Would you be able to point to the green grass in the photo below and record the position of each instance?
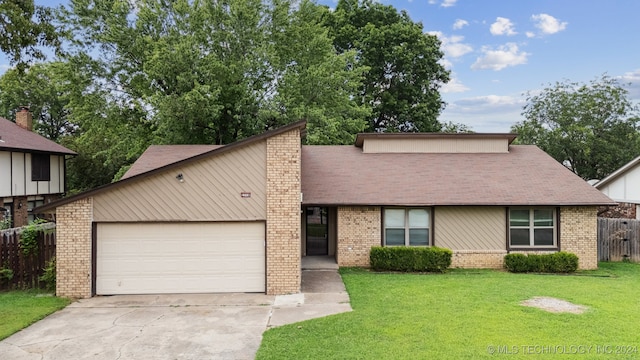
(19, 309)
(467, 314)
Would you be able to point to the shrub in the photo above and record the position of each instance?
(49, 275)
(560, 262)
(29, 237)
(410, 259)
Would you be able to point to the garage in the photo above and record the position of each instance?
(181, 257)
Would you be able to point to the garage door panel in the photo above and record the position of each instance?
(135, 258)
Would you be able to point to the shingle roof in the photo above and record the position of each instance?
(157, 156)
(344, 175)
(15, 138)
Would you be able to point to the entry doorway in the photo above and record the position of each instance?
(317, 230)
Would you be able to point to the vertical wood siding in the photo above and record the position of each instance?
(211, 190)
(15, 175)
(470, 228)
(618, 240)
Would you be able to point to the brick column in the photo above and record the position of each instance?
(359, 228)
(73, 249)
(579, 234)
(283, 213)
(20, 211)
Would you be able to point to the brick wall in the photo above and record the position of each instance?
(20, 211)
(359, 228)
(478, 259)
(579, 234)
(283, 213)
(73, 249)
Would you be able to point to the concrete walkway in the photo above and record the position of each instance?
(181, 326)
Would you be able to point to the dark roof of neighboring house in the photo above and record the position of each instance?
(15, 138)
(526, 175)
(614, 175)
(157, 156)
(214, 151)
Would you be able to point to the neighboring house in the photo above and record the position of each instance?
(623, 186)
(32, 169)
(239, 218)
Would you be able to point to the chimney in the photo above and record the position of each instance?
(24, 119)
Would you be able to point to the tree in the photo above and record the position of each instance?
(24, 28)
(591, 128)
(45, 90)
(219, 71)
(404, 74)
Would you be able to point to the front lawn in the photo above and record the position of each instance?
(19, 309)
(470, 314)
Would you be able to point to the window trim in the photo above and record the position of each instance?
(407, 228)
(556, 229)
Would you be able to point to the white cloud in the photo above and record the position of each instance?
(454, 85)
(448, 3)
(459, 24)
(491, 113)
(433, 2)
(548, 24)
(530, 34)
(500, 58)
(502, 26)
(632, 82)
(452, 46)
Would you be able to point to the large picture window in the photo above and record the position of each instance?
(532, 227)
(40, 167)
(406, 227)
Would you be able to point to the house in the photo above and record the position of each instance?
(32, 169)
(622, 186)
(239, 217)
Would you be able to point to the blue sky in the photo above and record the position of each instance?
(499, 49)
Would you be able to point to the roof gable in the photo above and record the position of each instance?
(15, 138)
(157, 156)
(215, 151)
(618, 173)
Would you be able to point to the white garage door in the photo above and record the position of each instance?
(155, 258)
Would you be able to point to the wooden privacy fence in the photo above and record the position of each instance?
(618, 239)
(25, 269)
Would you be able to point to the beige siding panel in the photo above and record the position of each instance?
(470, 228)
(5, 174)
(211, 190)
(191, 257)
(53, 186)
(435, 146)
(18, 174)
(32, 186)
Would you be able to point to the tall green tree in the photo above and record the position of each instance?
(592, 128)
(404, 74)
(219, 71)
(44, 88)
(24, 30)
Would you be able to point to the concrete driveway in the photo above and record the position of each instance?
(198, 326)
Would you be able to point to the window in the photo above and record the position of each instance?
(40, 167)
(406, 227)
(535, 227)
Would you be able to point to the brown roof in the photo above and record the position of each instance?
(157, 156)
(344, 175)
(15, 138)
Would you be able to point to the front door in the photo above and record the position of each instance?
(317, 231)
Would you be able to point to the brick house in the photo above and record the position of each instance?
(623, 187)
(239, 218)
(32, 169)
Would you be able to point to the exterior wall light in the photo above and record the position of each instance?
(180, 177)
